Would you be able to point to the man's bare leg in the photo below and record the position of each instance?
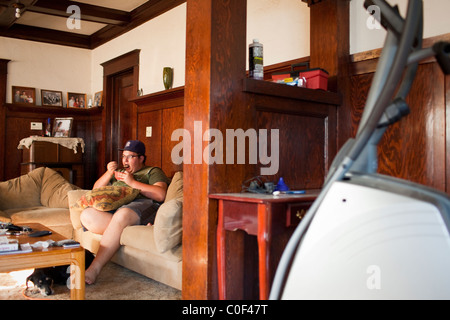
(110, 241)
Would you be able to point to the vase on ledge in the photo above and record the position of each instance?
(168, 77)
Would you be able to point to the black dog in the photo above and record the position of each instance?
(44, 278)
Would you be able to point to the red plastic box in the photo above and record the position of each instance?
(315, 78)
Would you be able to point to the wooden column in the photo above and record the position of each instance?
(215, 67)
(3, 78)
(330, 49)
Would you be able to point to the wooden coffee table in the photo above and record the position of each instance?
(49, 257)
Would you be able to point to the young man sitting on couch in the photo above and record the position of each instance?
(152, 185)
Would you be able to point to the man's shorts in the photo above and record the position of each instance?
(144, 208)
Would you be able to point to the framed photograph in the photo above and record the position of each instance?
(98, 99)
(76, 100)
(24, 95)
(52, 98)
(62, 127)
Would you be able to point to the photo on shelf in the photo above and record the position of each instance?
(98, 99)
(76, 100)
(52, 98)
(62, 127)
(24, 95)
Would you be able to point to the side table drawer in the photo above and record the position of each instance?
(295, 213)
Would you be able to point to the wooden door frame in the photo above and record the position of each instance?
(3, 89)
(126, 62)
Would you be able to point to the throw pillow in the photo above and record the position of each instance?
(22, 192)
(54, 189)
(168, 225)
(175, 189)
(107, 198)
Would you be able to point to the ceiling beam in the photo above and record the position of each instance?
(118, 22)
(19, 31)
(88, 12)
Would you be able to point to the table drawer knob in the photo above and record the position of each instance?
(300, 214)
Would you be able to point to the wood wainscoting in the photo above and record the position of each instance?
(161, 113)
(417, 147)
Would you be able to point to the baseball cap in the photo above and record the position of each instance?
(134, 146)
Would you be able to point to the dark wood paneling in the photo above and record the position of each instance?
(152, 144)
(17, 127)
(173, 119)
(301, 148)
(164, 112)
(416, 148)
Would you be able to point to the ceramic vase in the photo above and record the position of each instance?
(168, 77)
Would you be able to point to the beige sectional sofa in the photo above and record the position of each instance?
(154, 251)
(37, 197)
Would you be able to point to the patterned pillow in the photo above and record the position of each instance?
(107, 198)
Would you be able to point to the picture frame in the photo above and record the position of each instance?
(24, 95)
(62, 127)
(76, 100)
(51, 98)
(98, 99)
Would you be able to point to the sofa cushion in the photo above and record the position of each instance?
(4, 217)
(107, 198)
(22, 192)
(43, 215)
(75, 211)
(175, 189)
(168, 225)
(54, 189)
(141, 238)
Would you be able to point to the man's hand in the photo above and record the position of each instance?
(112, 166)
(125, 177)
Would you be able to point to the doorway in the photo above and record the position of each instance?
(119, 118)
(121, 113)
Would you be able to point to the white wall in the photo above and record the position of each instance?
(163, 44)
(281, 25)
(163, 41)
(363, 38)
(46, 66)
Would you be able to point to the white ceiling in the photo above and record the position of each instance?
(34, 19)
(87, 28)
(102, 20)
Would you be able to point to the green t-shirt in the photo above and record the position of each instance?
(147, 175)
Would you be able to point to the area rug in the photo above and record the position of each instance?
(113, 283)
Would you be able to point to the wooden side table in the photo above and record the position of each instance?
(45, 153)
(263, 216)
(49, 257)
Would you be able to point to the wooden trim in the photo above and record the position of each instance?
(88, 12)
(375, 53)
(161, 96)
(3, 81)
(19, 31)
(366, 61)
(121, 63)
(285, 91)
(311, 2)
